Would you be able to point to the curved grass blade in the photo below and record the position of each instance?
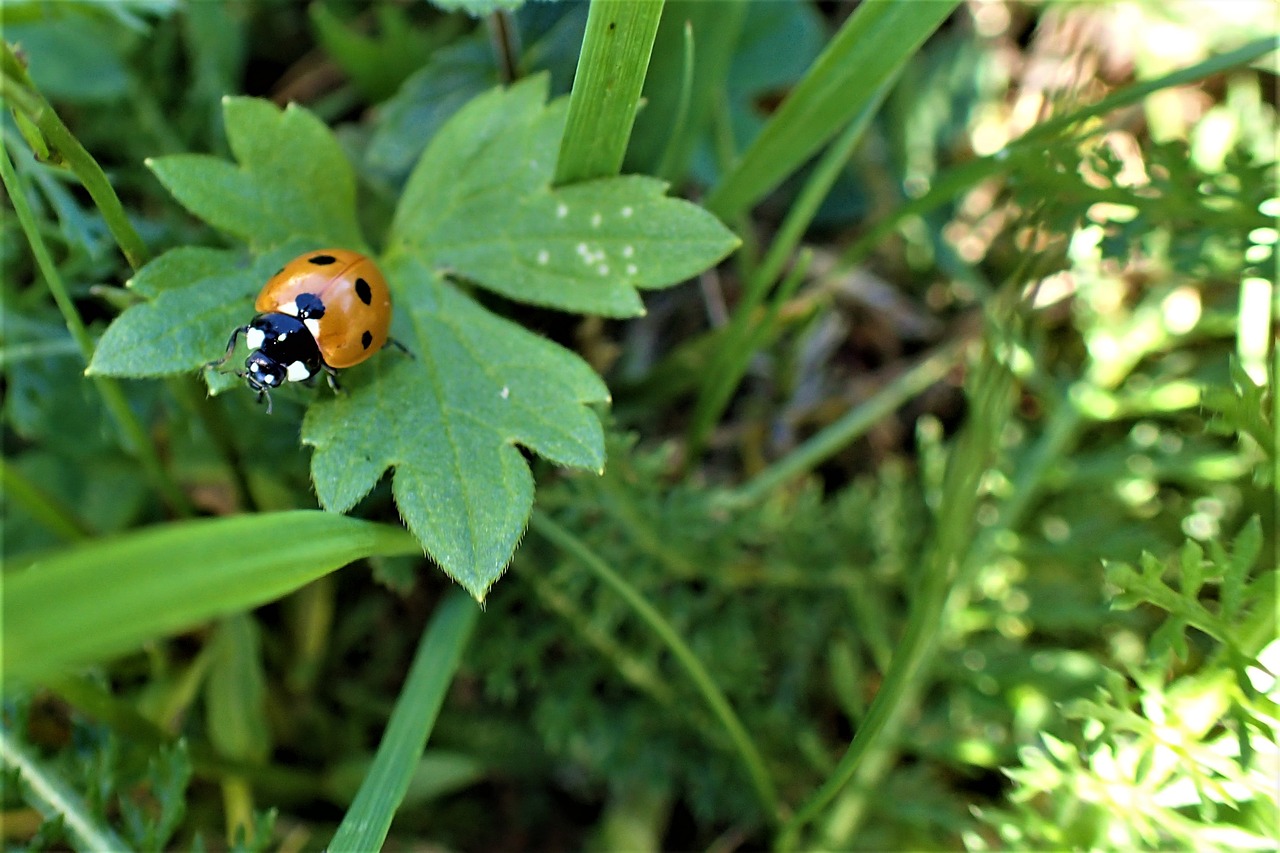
(92, 602)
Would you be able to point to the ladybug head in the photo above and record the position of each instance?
(263, 372)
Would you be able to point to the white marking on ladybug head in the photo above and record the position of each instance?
(297, 372)
(290, 308)
(313, 326)
(254, 338)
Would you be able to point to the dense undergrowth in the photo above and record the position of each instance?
(904, 446)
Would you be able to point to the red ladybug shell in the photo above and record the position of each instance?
(357, 304)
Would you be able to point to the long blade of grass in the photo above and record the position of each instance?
(365, 825)
(94, 601)
(702, 680)
(54, 798)
(853, 424)
(606, 90)
(849, 77)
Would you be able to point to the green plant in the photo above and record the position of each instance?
(951, 489)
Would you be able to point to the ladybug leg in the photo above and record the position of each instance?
(332, 375)
(263, 393)
(404, 349)
(231, 347)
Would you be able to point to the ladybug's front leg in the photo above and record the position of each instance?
(231, 347)
(332, 376)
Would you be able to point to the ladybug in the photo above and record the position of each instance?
(324, 310)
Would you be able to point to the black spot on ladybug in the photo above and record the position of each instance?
(363, 291)
(366, 339)
(309, 306)
(321, 260)
(278, 272)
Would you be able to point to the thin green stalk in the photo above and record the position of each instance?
(702, 680)
(606, 90)
(136, 438)
(940, 578)
(636, 672)
(667, 165)
(53, 797)
(22, 95)
(48, 511)
(746, 333)
(730, 361)
(853, 424)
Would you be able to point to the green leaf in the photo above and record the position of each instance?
(99, 600)
(448, 421)
(410, 119)
(378, 65)
(365, 825)
(478, 8)
(201, 295)
(293, 180)
(480, 204)
(74, 58)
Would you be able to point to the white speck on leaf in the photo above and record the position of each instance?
(584, 252)
(628, 251)
(627, 211)
(603, 269)
(562, 210)
(543, 257)
(596, 219)
(505, 392)
(631, 269)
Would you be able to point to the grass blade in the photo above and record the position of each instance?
(92, 602)
(849, 77)
(365, 825)
(606, 91)
(702, 680)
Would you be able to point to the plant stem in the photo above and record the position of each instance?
(21, 94)
(46, 509)
(136, 439)
(55, 798)
(702, 680)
